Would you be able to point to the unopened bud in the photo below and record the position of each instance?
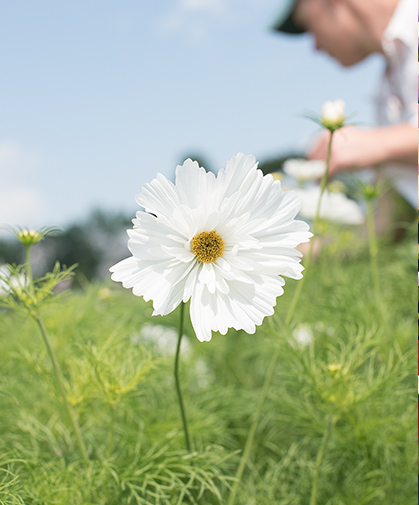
(333, 114)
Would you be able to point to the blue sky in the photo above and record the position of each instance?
(96, 97)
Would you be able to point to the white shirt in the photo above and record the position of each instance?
(398, 92)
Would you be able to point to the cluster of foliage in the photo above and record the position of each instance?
(343, 385)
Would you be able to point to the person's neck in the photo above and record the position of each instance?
(375, 16)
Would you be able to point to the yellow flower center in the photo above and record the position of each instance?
(207, 246)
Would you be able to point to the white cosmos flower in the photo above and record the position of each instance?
(163, 338)
(334, 206)
(302, 336)
(9, 281)
(333, 114)
(221, 242)
(304, 170)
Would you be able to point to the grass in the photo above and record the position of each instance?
(353, 382)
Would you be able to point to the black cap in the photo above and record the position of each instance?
(285, 22)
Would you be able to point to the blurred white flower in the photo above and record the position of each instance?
(163, 338)
(204, 375)
(333, 114)
(302, 336)
(9, 281)
(334, 206)
(304, 170)
(221, 242)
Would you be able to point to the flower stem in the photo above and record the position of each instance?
(265, 388)
(326, 435)
(29, 277)
(60, 384)
(177, 382)
(316, 221)
(28, 264)
(372, 239)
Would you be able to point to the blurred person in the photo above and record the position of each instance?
(350, 31)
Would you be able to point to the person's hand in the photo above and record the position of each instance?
(352, 148)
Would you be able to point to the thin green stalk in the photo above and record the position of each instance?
(265, 388)
(316, 221)
(320, 455)
(29, 280)
(28, 265)
(372, 240)
(177, 382)
(60, 385)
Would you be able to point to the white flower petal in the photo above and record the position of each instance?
(200, 314)
(207, 277)
(243, 308)
(191, 281)
(125, 271)
(159, 197)
(194, 185)
(181, 253)
(230, 179)
(221, 284)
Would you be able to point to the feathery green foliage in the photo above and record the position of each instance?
(344, 368)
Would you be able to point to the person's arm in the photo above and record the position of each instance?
(354, 148)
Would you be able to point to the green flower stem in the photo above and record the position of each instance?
(28, 265)
(275, 356)
(29, 281)
(177, 382)
(316, 221)
(372, 239)
(60, 385)
(320, 455)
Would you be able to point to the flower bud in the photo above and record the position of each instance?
(333, 114)
(370, 192)
(334, 368)
(336, 187)
(29, 237)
